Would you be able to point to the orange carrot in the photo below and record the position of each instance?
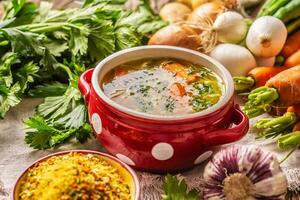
(296, 127)
(293, 60)
(287, 84)
(120, 71)
(291, 45)
(262, 74)
(180, 71)
(295, 109)
(178, 89)
(257, 77)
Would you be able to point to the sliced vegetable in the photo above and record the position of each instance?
(244, 172)
(266, 36)
(174, 11)
(237, 59)
(284, 88)
(291, 45)
(289, 11)
(293, 60)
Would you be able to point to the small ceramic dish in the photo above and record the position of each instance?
(125, 171)
(161, 143)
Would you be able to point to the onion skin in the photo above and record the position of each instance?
(174, 11)
(204, 11)
(260, 167)
(176, 35)
(197, 3)
(266, 36)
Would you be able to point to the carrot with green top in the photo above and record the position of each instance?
(257, 77)
(273, 127)
(283, 88)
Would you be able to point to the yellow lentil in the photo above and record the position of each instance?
(74, 176)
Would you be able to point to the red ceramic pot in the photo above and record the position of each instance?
(161, 143)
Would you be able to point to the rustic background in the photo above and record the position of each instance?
(15, 155)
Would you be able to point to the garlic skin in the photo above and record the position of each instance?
(244, 172)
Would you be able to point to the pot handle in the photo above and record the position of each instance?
(84, 84)
(224, 136)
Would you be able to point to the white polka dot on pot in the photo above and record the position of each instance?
(162, 151)
(97, 124)
(203, 157)
(125, 159)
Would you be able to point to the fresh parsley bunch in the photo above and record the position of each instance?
(43, 51)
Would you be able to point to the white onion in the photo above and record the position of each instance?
(266, 36)
(231, 27)
(265, 62)
(237, 59)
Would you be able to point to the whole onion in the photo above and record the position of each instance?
(244, 173)
(176, 35)
(206, 11)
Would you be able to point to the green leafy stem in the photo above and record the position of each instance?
(273, 127)
(243, 83)
(259, 101)
(290, 141)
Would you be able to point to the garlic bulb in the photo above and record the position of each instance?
(244, 173)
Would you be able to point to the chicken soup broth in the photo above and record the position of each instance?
(163, 86)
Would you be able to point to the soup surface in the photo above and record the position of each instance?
(163, 86)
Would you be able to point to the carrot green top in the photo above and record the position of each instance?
(74, 176)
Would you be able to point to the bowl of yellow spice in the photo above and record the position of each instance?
(77, 174)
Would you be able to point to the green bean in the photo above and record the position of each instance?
(288, 12)
(294, 25)
(265, 7)
(275, 6)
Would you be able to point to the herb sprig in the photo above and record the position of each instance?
(43, 51)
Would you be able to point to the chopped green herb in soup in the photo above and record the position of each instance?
(163, 86)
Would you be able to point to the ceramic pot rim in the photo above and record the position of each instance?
(226, 76)
(125, 166)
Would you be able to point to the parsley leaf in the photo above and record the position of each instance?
(10, 99)
(177, 190)
(26, 75)
(42, 135)
(48, 90)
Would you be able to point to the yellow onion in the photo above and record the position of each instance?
(176, 35)
(174, 11)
